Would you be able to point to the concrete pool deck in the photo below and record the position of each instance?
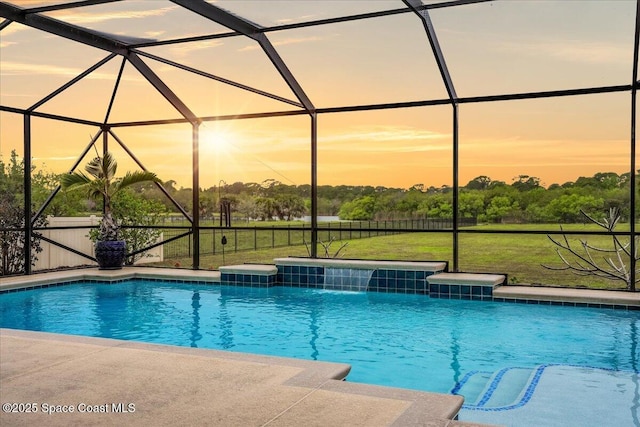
(147, 384)
(168, 385)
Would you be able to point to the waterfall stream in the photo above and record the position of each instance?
(347, 279)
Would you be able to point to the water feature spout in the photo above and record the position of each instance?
(347, 279)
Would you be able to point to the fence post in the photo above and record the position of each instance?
(255, 238)
(235, 238)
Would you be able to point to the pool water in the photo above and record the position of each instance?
(497, 355)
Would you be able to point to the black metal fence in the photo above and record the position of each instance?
(247, 238)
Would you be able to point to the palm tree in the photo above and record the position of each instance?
(103, 183)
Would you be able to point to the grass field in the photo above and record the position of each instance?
(521, 257)
(273, 234)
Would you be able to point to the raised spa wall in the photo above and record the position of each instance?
(426, 278)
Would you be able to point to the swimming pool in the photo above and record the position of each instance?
(506, 359)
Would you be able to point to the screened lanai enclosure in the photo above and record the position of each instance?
(498, 136)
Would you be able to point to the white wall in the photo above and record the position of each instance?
(54, 257)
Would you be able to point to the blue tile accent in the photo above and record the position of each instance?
(523, 401)
(249, 280)
(568, 304)
(492, 387)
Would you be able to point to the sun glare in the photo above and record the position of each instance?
(216, 141)
(217, 153)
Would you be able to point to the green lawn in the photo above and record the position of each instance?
(519, 256)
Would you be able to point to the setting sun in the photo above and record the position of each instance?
(215, 140)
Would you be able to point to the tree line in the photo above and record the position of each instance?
(524, 200)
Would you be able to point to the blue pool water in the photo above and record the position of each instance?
(500, 356)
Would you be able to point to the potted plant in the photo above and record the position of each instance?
(101, 183)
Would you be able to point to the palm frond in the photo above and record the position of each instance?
(131, 178)
(71, 180)
(94, 168)
(95, 191)
(95, 188)
(110, 165)
(102, 167)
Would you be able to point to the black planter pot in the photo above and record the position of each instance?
(111, 254)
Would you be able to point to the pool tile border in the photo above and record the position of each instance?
(586, 298)
(567, 303)
(102, 281)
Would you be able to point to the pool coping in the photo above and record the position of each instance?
(126, 273)
(530, 294)
(431, 266)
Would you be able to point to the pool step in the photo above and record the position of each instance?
(502, 388)
(472, 385)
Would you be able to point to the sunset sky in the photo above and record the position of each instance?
(500, 47)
